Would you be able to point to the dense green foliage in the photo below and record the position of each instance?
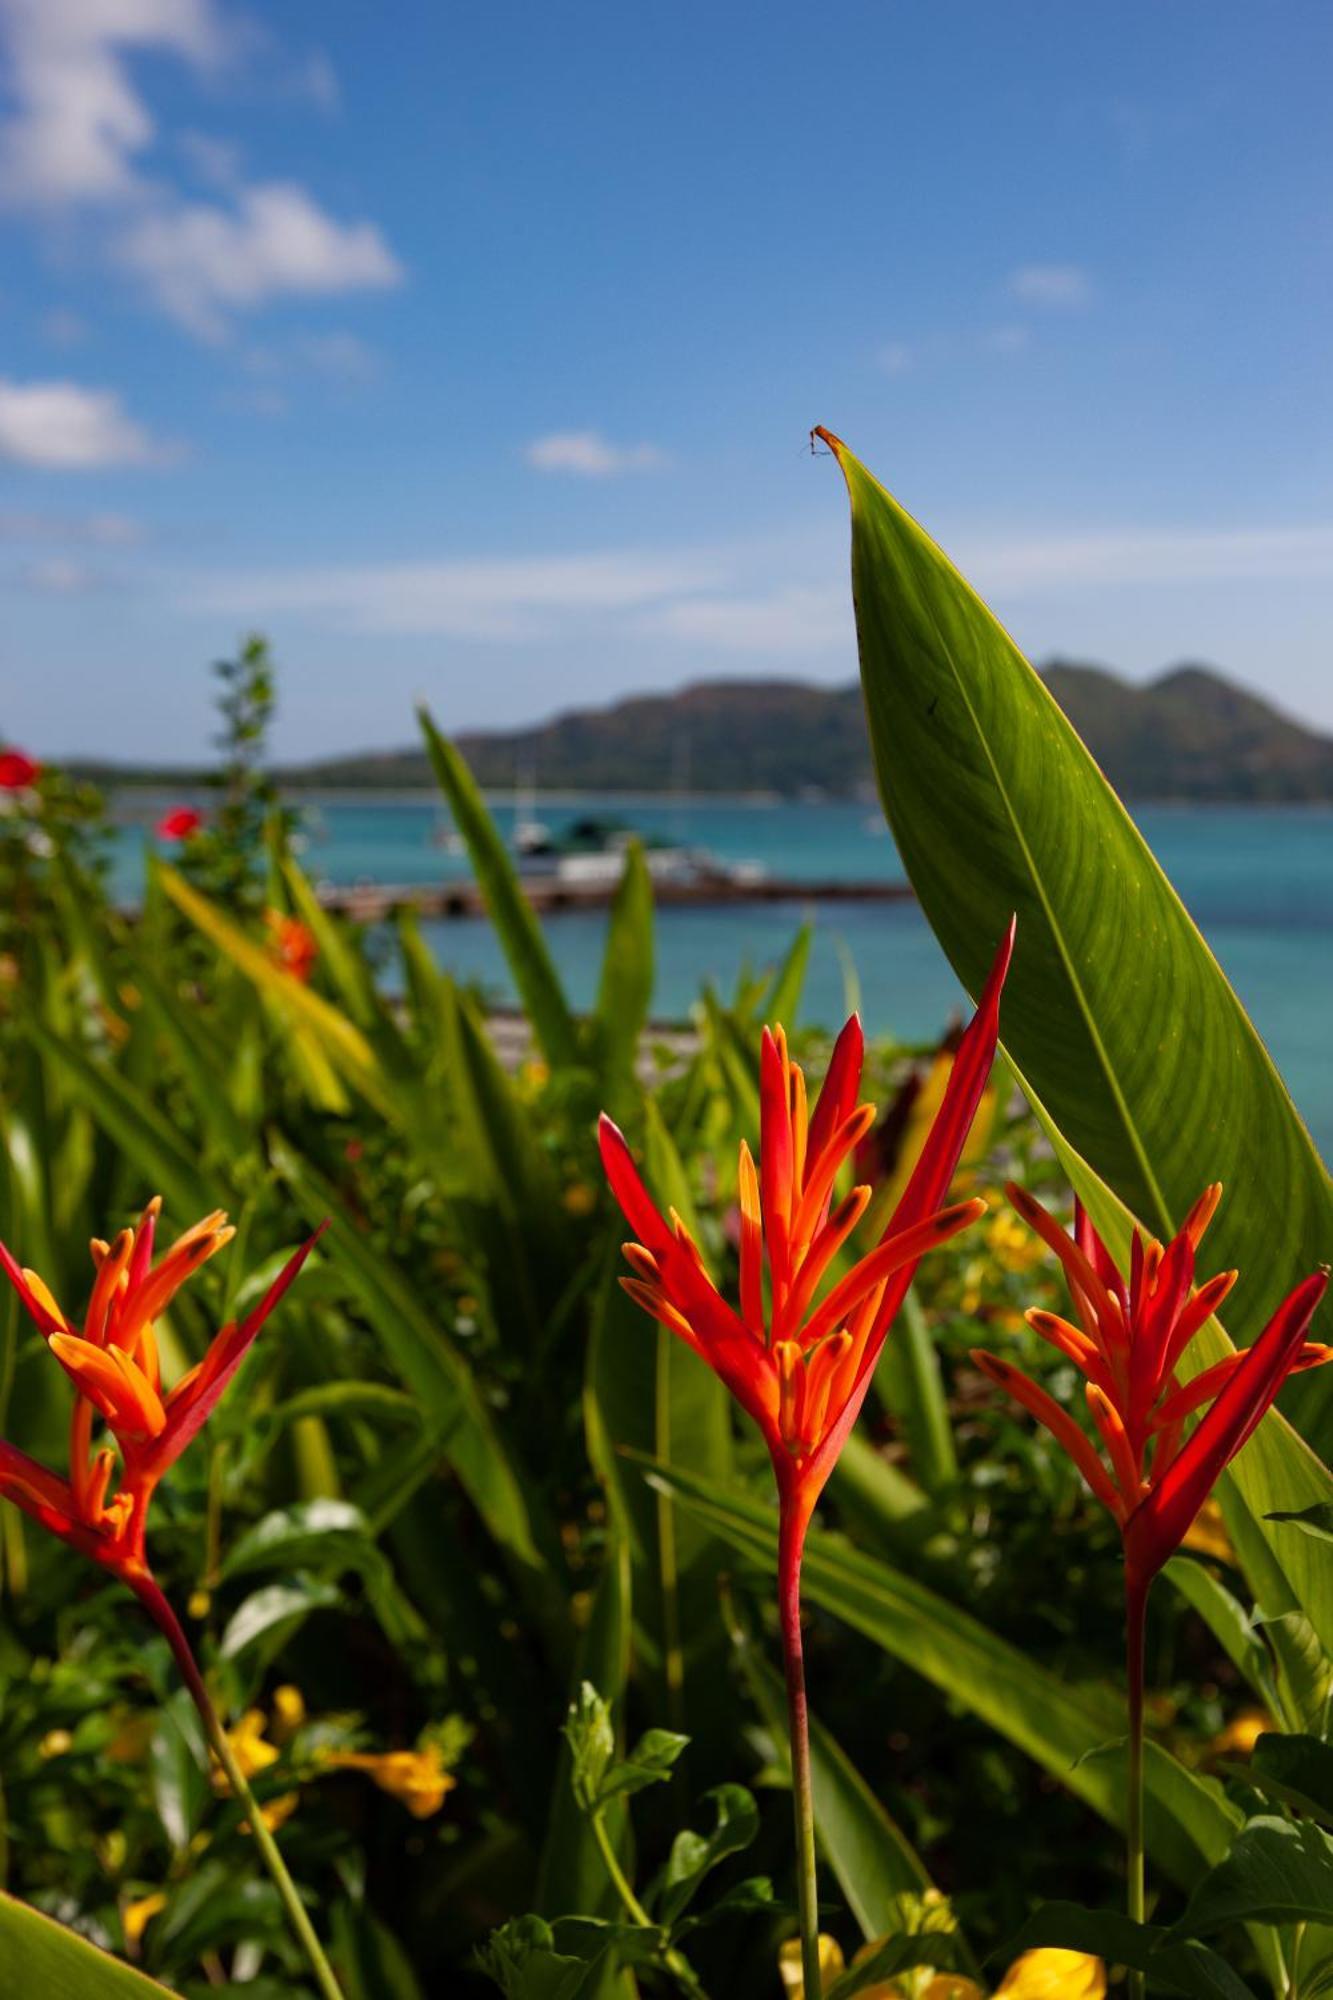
(478, 1562)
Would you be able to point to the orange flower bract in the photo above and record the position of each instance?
(1130, 1337)
(112, 1362)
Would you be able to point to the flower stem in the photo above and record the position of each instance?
(634, 1909)
(1136, 1602)
(158, 1609)
(791, 1540)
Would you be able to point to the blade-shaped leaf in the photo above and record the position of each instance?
(516, 927)
(38, 1956)
(1115, 1009)
(626, 988)
(1116, 1015)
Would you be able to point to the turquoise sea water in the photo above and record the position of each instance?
(1258, 882)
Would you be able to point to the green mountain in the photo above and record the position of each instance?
(1191, 734)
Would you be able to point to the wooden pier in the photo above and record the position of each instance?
(372, 902)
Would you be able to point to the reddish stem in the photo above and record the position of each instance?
(1136, 1606)
(795, 1517)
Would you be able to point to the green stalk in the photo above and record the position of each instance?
(158, 1609)
(791, 1540)
(1136, 1604)
(673, 1960)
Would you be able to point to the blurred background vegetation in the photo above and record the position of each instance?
(421, 1518)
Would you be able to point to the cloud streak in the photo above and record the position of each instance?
(737, 600)
(589, 455)
(63, 427)
(1057, 286)
(81, 137)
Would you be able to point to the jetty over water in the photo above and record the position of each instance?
(372, 902)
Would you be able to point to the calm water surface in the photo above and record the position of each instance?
(1258, 882)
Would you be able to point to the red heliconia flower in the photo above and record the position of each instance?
(799, 1363)
(180, 823)
(1129, 1341)
(17, 771)
(112, 1362)
(292, 944)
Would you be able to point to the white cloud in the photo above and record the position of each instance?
(79, 125)
(201, 262)
(1149, 556)
(81, 136)
(64, 427)
(61, 576)
(896, 358)
(499, 597)
(591, 456)
(789, 619)
(1061, 286)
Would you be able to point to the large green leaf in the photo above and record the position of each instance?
(1117, 1017)
(626, 988)
(1074, 1733)
(1115, 1009)
(39, 1957)
(516, 927)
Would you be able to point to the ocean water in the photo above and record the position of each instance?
(1259, 883)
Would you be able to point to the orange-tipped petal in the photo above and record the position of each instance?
(111, 1268)
(837, 1098)
(1200, 1309)
(1114, 1436)
(639, 1209)
(909, 1246)
(751, 1245)
(188, 1413)
(822, 1251)
(32, 1305)
(642, 1262)
(653, 1301)
(813, 1204)
(775, 1152)
(1057, 1421)
(114, 1383)
(1202, 1213)
(1160, 1522)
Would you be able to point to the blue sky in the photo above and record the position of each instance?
(471, 353)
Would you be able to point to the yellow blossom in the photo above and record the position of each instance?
(288, 1713)
(579, 1198)
(199, 1602)
(1241, 1733)
(55, 1743)
(418, 1779)
(135, 1917)
(1054, 1975)
(249, 1747)
(831, 1963)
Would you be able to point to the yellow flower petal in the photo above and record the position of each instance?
(136, 1916)
(831, 1963)
(1054, 1975)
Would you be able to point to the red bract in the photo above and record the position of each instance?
(292, 944)
(17, 771)
(1129, 1341)
(798, 1363)
(112, 1362)
(179, 823)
